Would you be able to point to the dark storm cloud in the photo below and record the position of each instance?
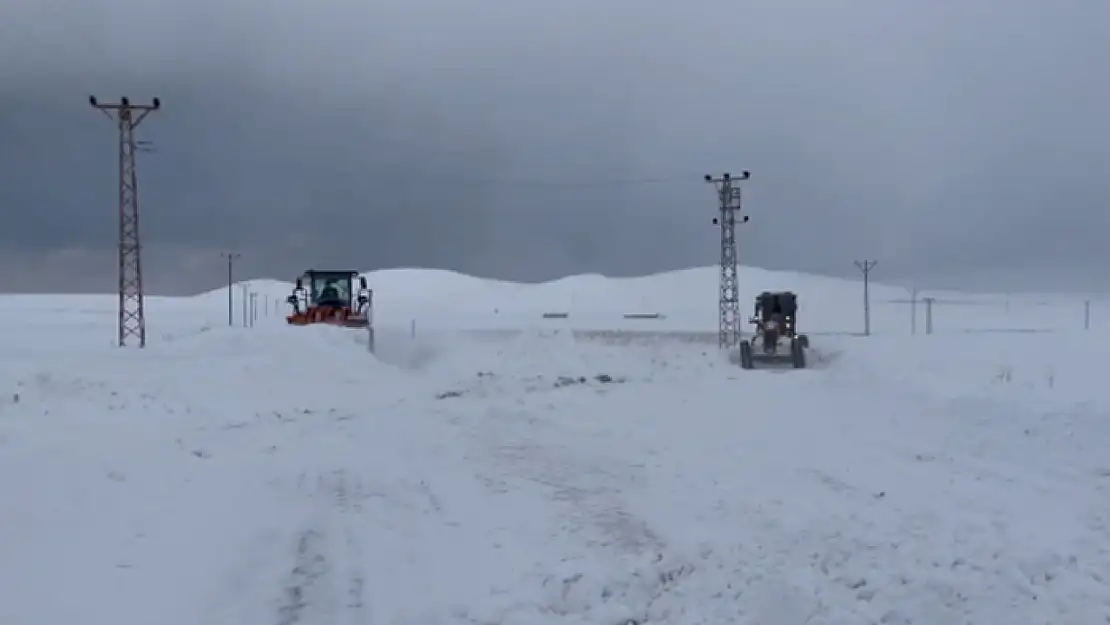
(527, 140)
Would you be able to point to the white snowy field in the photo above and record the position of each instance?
(284, 476)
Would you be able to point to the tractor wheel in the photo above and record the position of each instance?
(797, 354)
(746, 360)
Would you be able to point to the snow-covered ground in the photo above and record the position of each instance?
(550, 475)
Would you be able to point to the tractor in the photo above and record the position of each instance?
(776, 339)
(328, 297)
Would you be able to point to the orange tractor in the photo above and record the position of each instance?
(330, 299)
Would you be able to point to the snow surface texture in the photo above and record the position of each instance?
(543, 475)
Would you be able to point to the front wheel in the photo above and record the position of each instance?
(746, 360)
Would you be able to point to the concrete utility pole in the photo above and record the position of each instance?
(127, 116)
(866, 266)
(913, 311)
(729, 200)
(230, 256)
(246, 302)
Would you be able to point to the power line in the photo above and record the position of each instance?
(569, 182)
(132, 319)
(523, 183)
(728, 194)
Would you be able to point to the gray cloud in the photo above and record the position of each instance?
(527, 140)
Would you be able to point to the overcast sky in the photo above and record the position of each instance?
(951, 139)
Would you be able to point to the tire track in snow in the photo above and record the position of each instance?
(328, 582)
(620, 566)
(590, 486)
(349, 497)
(304, 583)
(356, 581)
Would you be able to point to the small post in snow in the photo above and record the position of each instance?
(1087, 314)
(928, 314)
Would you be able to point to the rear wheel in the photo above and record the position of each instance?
(797, 354)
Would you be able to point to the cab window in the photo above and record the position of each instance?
(340, 284)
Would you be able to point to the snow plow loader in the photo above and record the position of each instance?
(776, 340)
(328, 297)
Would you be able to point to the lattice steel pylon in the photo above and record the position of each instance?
(132, 320)
(728, 193)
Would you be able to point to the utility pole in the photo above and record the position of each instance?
(728, 194)
(132, 319)
(913, 311)
(866, 266)
(230, 256)
(246, 301)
